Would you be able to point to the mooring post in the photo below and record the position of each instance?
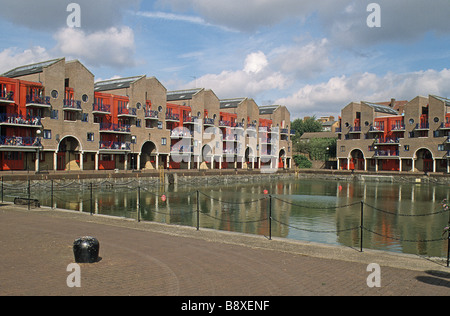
(361, 227)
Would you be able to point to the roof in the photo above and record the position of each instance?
(268, 109)
(181, 94)
(115, 84)
(30, 69)
(445, 100)
(230, 103)
(328, 123)
(381, 108)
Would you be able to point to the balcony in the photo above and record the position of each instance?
(208, 122)
(376, 129)
(20, 142)
(355, 129)
(7, 97)
(124, 112)
(181, 149)
(181, 134)
(101, 108)
(386, 153)
(445, 125)
(422, 126)
(338, 130)
(230, 138)
(72, 105)
(115, 146)
(115, 128)
(151, 115)
(189, 119)
(19, 120)
(224, 123)
(38, 102)
(387, 140)
(396, 128)
(172, 117)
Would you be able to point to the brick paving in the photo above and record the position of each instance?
(150, 259)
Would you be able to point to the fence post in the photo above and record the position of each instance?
(29, 195)
(139, 204)
(448, 242)
(51, 199)
(270, 217)
(361, 227)
(92, 200)
(198, 211)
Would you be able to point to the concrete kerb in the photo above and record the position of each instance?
(303, 248)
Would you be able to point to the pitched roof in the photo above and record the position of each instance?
(230, 103)
(115, 84)
(182, 94)
(445, 100)
(30, 69)
(381, 108)
(268, 109)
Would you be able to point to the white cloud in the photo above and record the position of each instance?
(11, 58)
(330, 97)
(304, 61)
(255, 62)
(113, 47)
(254, 78)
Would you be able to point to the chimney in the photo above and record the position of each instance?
(392, 103)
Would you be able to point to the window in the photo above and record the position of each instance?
(406, 147)
(342, 149)
(138, 123)
(54, 115)
(160, 125)
(90, 137)
(164, 141)
(441, 147)
(85, 117)
(70, 116)
(54, 94)
(411, 121)
(47, 134)
(85, 98)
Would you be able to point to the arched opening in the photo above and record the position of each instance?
(424, 160)
(69, 154)
(356, 160)
(207, 157)
(149, 156)
(281, 159)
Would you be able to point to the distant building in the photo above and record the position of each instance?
(54, 116)
(395, 136)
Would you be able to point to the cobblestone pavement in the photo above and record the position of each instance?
(162, 260)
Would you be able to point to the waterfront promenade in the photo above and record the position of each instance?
(141, 258)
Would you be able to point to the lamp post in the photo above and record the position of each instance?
(38, 143)
(133, 141)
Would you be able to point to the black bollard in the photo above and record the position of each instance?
(86, 249)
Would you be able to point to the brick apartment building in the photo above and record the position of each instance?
(54, 116)
(398, 136)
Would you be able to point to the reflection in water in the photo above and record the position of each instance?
(395, 215)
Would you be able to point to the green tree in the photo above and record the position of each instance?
(302, 162)
(308, 125)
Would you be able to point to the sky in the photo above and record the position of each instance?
(313, 56)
